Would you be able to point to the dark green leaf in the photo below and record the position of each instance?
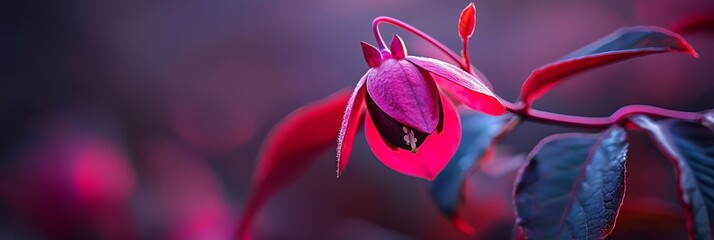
(572, 186)
(690, 146)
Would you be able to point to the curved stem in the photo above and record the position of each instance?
(380, 42)
(597, 122)
(465, 56)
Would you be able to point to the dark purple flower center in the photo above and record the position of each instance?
(395, 134)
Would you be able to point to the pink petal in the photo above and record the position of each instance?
(406, 93)
(466, 88)
(431, 157)
(290, 149)
(399, 51)
(350, 124)
(371, 55)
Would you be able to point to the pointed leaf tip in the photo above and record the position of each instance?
(691, 51)
(371, 55)
(398, 48)
(467, 22)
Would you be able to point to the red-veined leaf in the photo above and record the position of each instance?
(290, 149)
(621, 45)
(467, 22)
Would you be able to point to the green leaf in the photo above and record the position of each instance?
(572, 186)
(690, 146)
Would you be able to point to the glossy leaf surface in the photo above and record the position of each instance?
(623, 44)
(291, 148)
(478, 132)
(691, 148)
(572, 186)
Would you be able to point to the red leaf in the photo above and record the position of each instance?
(467, 22)
(624, 44)
(290, 149)
(693, 23)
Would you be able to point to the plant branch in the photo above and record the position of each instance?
(597, 122)
(465, 56)
(525, 111)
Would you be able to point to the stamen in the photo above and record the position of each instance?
(409, 138)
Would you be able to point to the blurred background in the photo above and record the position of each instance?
(142, 119)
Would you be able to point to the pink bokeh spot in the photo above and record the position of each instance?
(431, 157)
(101, 172)
(188, 193)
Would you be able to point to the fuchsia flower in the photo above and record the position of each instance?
(411, 126)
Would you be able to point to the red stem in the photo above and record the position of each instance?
(465, 55)
(525, 111)
(380, 42)
(597, 122)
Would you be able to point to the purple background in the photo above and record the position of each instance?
(142, 119)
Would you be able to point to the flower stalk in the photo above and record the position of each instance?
(382, 46)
